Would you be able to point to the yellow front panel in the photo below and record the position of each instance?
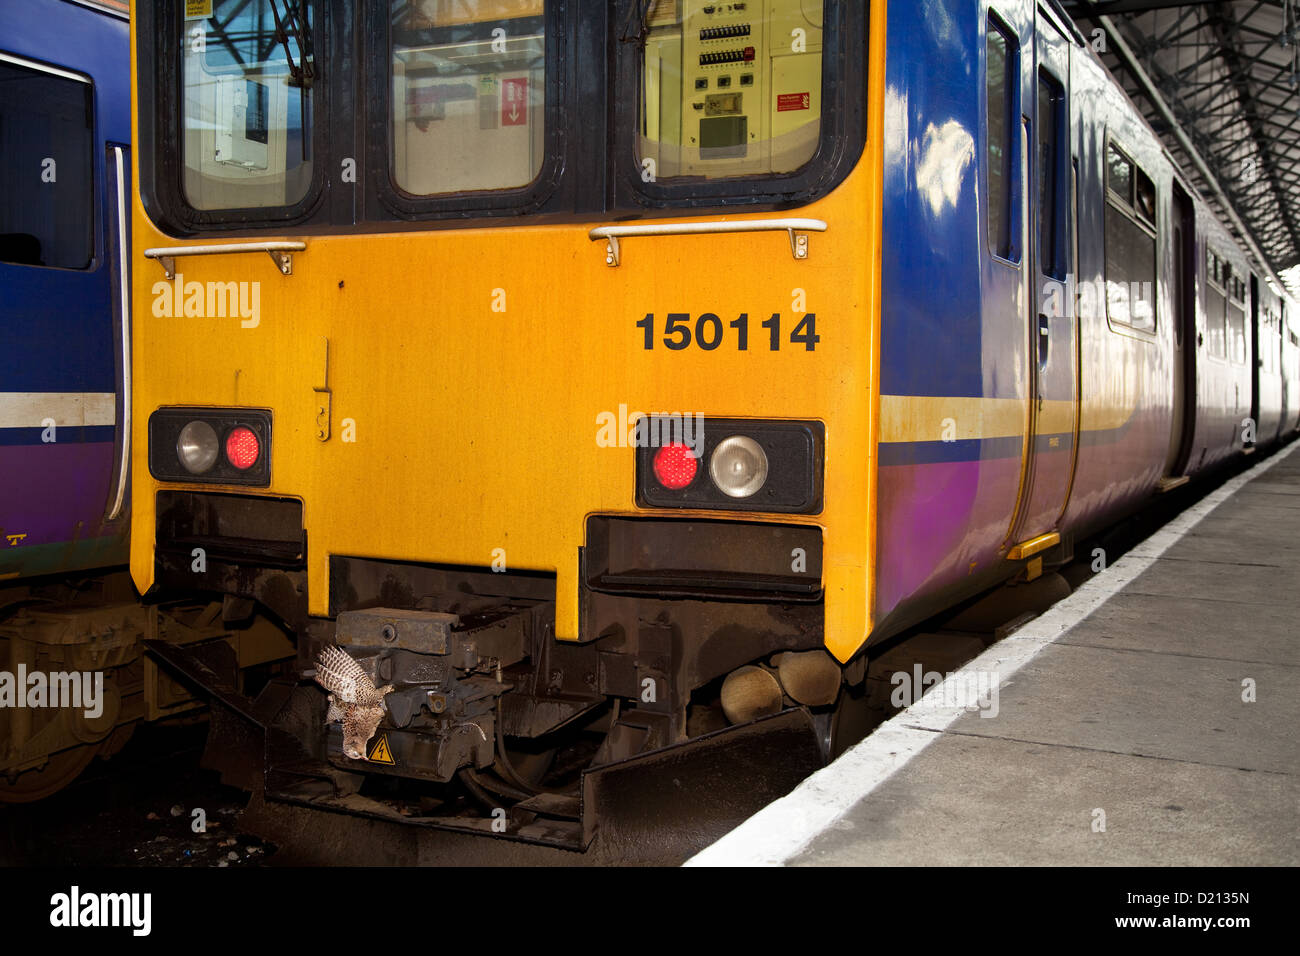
(469, 371)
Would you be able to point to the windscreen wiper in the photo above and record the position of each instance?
(638, 20)
(302, 73)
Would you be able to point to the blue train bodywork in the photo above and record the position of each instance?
(1023, 196)
(66, 98)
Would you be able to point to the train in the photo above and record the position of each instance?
(65, 598)
(75, 680)
(574, 393)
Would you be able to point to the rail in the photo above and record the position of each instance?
(795, 228)
(281, 253)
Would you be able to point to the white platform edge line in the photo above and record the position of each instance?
(784, 827)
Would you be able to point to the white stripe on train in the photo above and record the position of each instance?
(36, 409)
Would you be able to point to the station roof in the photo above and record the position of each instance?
(1228, 73)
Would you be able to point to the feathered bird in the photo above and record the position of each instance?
(353, 698)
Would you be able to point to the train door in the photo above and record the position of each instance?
(1053, 318)
(1291, 348)
(58, 398)
(1256, 365)
(1283, 367)
(1184, 363)
(1290, 372)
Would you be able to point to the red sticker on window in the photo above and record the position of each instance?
(793, 101)
(514, 101)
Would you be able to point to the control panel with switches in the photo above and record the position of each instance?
(732, 88)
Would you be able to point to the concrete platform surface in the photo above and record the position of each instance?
(1151, 718)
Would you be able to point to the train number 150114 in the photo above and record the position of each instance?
(708, 332)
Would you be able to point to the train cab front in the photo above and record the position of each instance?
(700, 652)
(569, 515)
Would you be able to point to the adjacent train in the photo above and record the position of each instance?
(64, 493)
(74, 676)
(586, 386)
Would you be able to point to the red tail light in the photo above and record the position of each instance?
(675, 466)
(242, 448)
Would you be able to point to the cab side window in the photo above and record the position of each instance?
(1130, 243)
(46, 168)
(1000, 73)
(1216, 303)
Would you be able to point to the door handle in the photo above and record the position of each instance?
(1044, 339)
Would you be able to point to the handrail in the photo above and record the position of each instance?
(279, 251)
(793, 227)
(124, 305)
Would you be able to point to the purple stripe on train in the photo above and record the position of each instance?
(935, 519)
(55, 493)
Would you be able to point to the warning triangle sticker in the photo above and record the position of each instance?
(380, 752)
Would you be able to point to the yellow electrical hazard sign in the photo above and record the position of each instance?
(380, 752)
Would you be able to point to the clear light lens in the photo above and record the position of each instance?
(242, 448)
(197, 447)
(738, 466)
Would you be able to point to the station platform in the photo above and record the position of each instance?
(1150, 718)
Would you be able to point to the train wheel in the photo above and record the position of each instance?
(850, 721)
(60, 770)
